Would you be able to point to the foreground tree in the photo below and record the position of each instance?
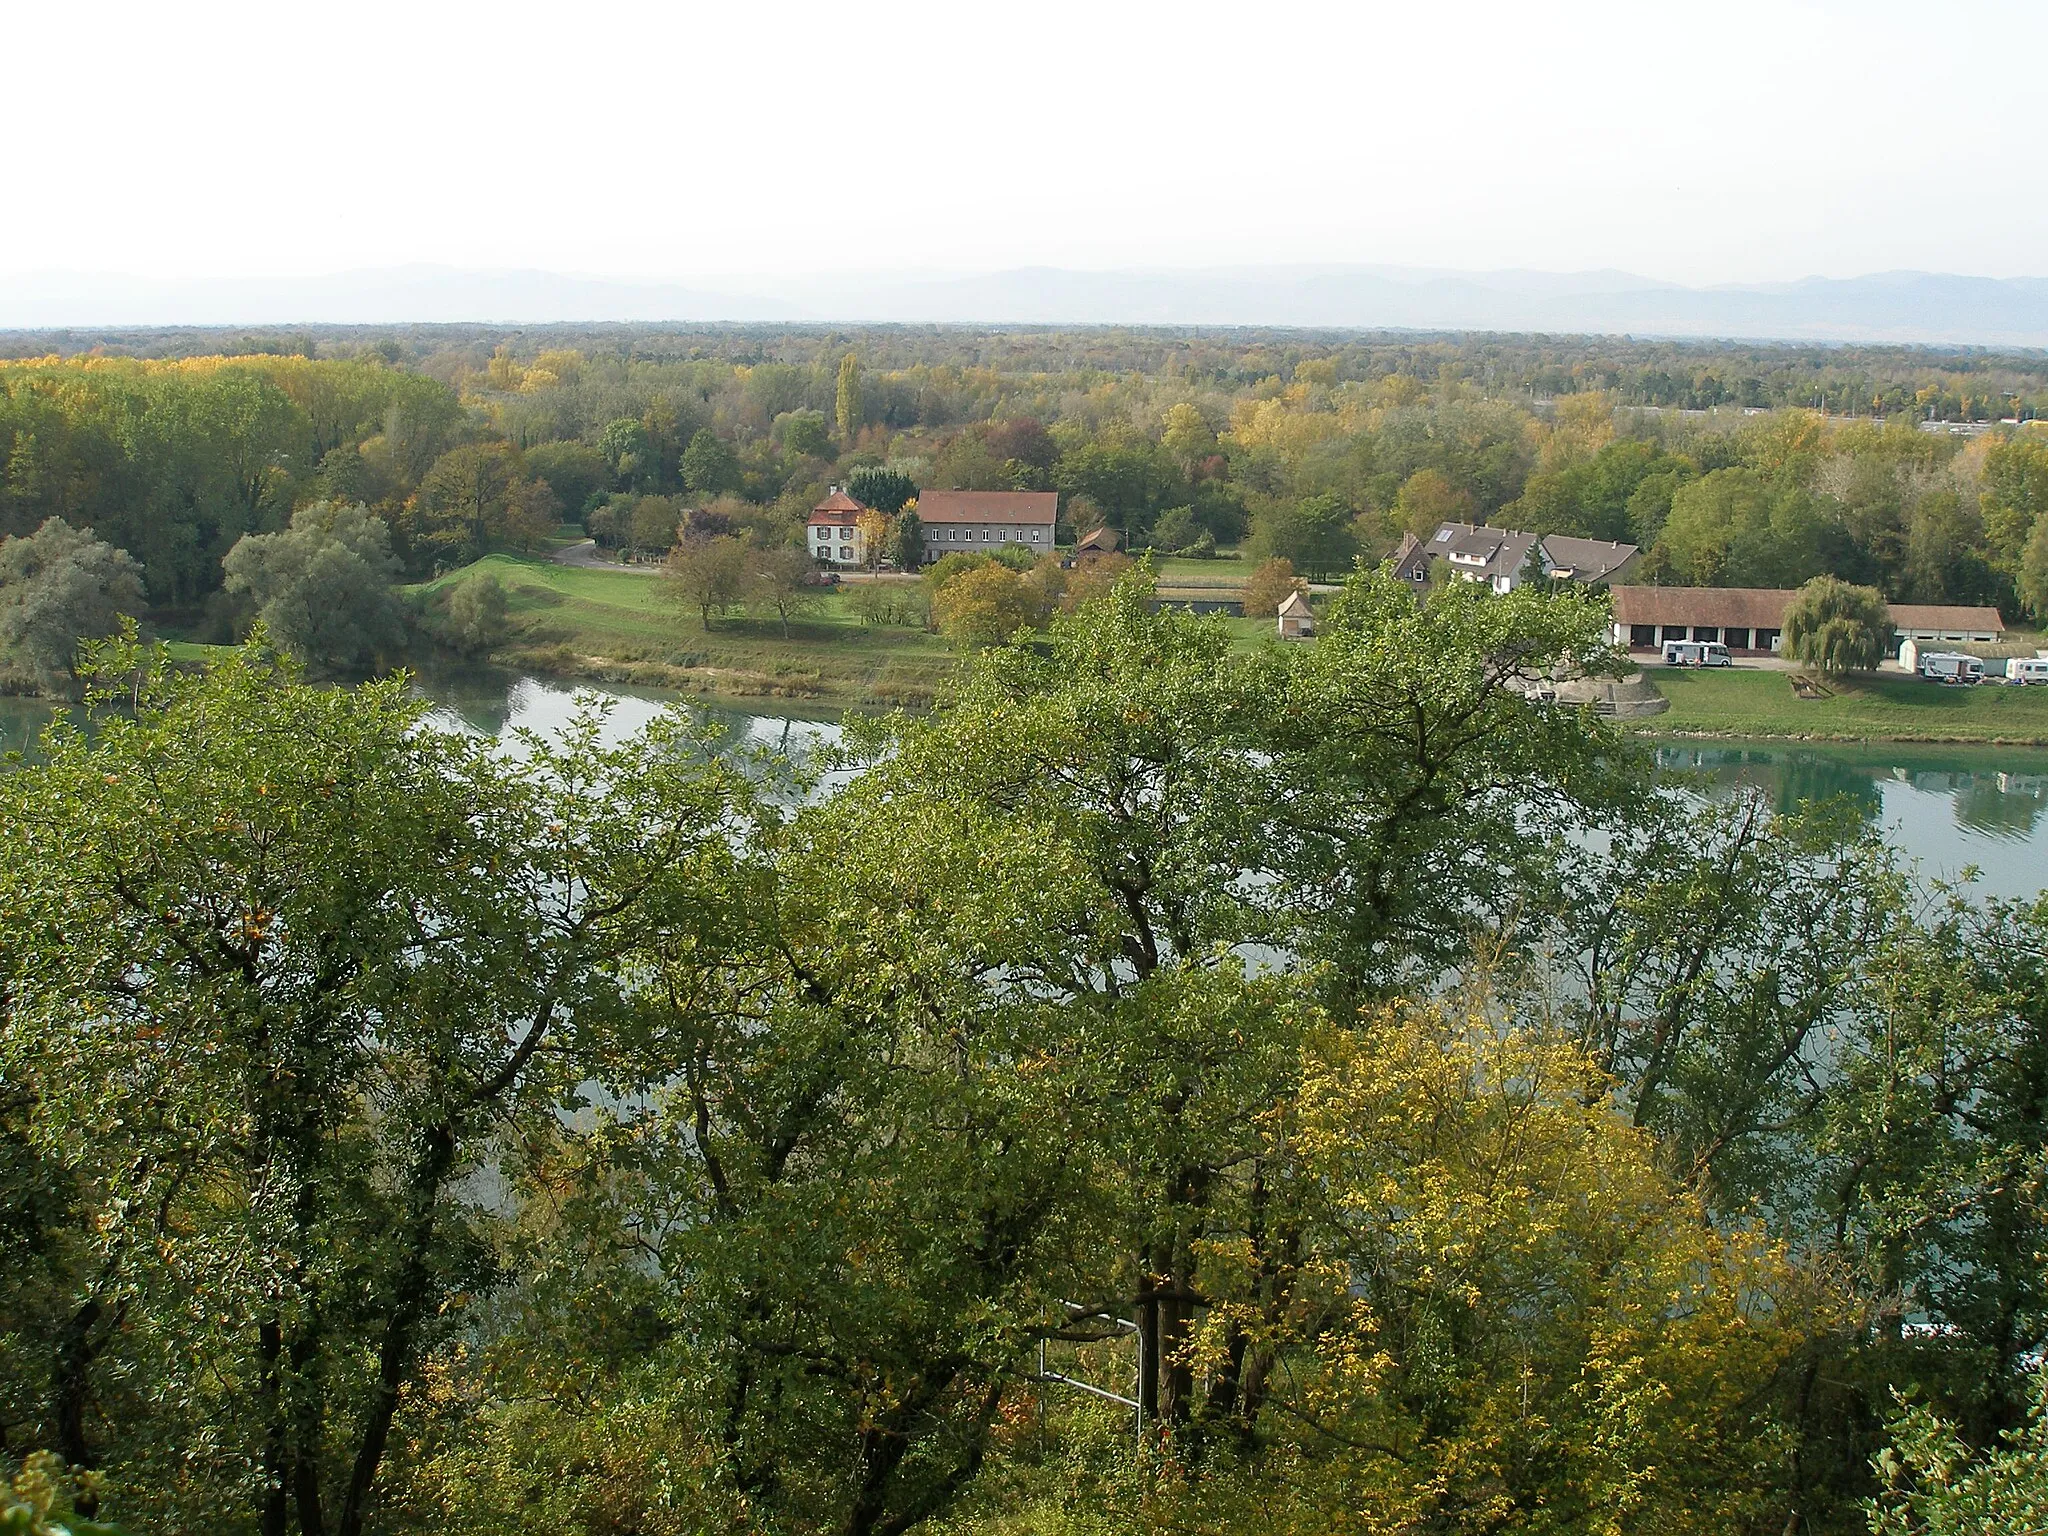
(1837, 626)
(322, 588)
(61, 587)
(286, 972)
(1936, 1485)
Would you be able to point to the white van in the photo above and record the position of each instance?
(2027, 669)
(1696, 653)
(1951, 667)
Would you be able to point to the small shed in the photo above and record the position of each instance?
(1297, 619)
(1095, 543)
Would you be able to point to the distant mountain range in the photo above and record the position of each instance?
(1906, 307)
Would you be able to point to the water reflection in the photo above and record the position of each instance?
(498, 704)
(1950, 807)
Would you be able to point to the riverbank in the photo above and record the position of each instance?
(606, 624)
(619, 626)
(1758, 704)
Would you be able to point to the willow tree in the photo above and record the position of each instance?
(1837, 626)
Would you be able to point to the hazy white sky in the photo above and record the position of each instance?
(1700, 143)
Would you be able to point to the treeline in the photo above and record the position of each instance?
(1320, 452)
(1357, 1063)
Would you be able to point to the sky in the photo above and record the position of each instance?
(1699, 144)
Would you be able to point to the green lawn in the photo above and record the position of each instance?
(1744, 701)
(620, 626)
(1226, 570)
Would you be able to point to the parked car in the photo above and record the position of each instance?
(1696, 653)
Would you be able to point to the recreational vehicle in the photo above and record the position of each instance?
(1696, 653)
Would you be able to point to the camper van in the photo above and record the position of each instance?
(1951, 667)
(1696, 653)
(2027, 669)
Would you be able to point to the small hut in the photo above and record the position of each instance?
(1297, 619)
(1095, 543)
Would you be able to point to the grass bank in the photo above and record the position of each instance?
(620, 626)
(1754, 702)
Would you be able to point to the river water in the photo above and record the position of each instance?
(1950, 808)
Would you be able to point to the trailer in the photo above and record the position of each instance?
(2026, 670)
(1951, 667)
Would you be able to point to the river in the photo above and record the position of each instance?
(1949, 808)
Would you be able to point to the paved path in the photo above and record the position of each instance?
(584, 557)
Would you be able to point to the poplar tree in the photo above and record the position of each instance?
(847, 407)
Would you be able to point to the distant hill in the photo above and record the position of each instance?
(1910, 307)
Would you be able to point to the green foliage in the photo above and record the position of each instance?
(2033, 579)
(339, 963)
(322, 588)
(906, 540)
(1740, 528)
(884, 489)
(1837, 627)
(709, 467)
(848, 409)
(45, 1498)
(466, 494)
(475, 621)
(1314, 536)
(1176, 530)
(60, 587)
(1936, 1485)
(806, 434)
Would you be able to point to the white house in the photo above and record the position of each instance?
(835, 534)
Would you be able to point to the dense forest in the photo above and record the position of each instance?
(1729, 465)
(1411, 1117)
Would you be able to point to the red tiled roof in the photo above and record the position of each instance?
(839, 501)
(835, 517)
(1764, 608)
(1946, 616)
(1715, 607)
(988, 507)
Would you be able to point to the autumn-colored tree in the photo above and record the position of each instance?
(874, 531)
(982, 607)
(1269, 587)
(709, 575)
(1187, 435)
(1427, 499)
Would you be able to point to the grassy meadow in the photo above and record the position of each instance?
(621, 626)
(1745, 701)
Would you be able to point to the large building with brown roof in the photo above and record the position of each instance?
(1753, 618)
(986, 520)
(1499, 557)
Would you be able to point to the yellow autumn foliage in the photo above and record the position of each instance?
(1506, 1315)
